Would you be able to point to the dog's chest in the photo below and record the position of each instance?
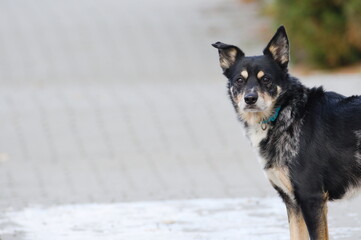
(256, 134)
(278, 175)
(277, 144)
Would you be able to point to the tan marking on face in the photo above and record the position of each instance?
(237, 98)
(253, 118)
(244, 74)
(260, 74)
(268, 99)
(298, 228)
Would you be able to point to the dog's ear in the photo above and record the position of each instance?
(228, 54)
(278, 48)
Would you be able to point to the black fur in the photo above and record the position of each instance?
(316, 137)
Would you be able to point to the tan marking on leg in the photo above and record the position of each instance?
(298, 228)
(244, 74)
(260, 74)
(323, 228)
(279, 177)
(285, 179)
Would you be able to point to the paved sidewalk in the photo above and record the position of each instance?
(123, 101)
(122, 142)
(208, 219)
(104, 101)
(131, 142)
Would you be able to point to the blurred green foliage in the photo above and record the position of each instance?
(324, 33)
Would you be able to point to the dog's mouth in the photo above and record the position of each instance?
(252, 108)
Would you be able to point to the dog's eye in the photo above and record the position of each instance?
(266, 79)
(240, 80)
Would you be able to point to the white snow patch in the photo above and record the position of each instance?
(211, 219)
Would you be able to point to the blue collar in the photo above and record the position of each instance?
(273, 117)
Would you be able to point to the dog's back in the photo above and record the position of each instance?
(331, 142)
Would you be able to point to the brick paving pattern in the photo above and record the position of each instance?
(110, 101)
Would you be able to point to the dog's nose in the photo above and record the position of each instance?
(251, 98)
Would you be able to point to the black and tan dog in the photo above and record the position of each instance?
(309, 140)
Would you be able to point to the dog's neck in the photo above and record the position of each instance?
(256, 118)
(261, 118)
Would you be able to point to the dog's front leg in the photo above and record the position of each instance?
(298, 228)
(314, 210)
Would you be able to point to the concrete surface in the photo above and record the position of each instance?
(113, 101)
(210, 219)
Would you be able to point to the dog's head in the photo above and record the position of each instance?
(255, 83)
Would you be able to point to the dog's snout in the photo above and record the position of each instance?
(251, 98)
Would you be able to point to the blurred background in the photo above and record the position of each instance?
(113, 101)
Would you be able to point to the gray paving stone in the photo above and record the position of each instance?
(110, 101)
